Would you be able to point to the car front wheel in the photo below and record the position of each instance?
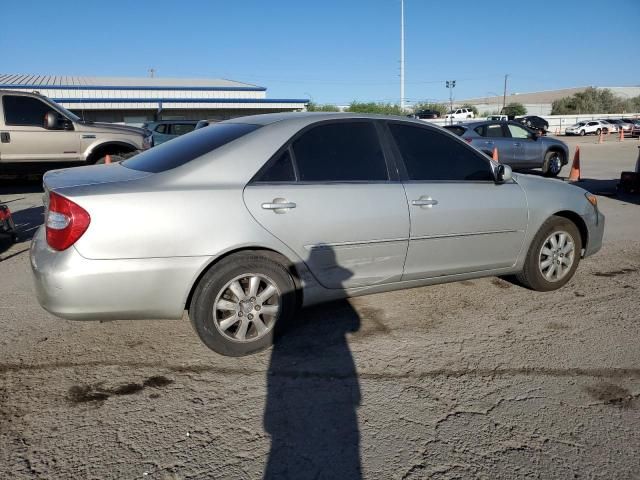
(239, 302)
(552, 164)
(553, 256)
(582, 133)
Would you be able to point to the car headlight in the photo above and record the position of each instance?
(147, 141)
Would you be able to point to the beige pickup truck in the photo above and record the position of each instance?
(34, 129)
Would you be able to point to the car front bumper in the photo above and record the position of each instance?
(595, 231)
(73, 287)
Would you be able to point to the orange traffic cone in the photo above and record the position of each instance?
(494, 156)
(621, 137)
(107, 159)
(601, 138)
(574, 176)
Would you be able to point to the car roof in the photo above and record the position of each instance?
(304, 118)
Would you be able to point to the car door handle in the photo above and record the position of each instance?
(517, 144)
(488, 142)
(278, 205)
(424, 202)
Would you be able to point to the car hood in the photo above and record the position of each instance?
(110, 127)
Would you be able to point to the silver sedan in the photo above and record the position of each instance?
(245, 221)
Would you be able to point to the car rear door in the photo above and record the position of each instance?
(331, 196)
(461, 219)
(494, 136)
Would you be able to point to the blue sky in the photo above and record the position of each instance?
(333, 51)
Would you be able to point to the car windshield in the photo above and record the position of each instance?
(70, 115)
(581, 124)
(188, 147)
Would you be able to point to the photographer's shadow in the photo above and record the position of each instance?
(313, 393)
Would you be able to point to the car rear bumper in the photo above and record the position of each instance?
(73, 287)
(595, 227)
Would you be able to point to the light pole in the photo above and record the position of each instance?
(451, 84)
(402, 55)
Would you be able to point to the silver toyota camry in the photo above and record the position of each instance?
(243, 222)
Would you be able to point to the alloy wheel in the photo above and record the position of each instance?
(556, 256)
(247, 307)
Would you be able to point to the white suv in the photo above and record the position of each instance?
(585, 128)
(460, 113)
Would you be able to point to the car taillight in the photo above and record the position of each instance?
(468, 139)
(66, 222)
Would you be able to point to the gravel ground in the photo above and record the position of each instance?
(476, 379)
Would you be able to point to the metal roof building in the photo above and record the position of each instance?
(135, 100)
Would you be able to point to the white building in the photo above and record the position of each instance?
(135, 100)
(538, 103)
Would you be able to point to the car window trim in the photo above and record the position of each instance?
(289, 145)
(404, 173)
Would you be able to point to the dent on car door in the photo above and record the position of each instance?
(461, 219)
(328, 196)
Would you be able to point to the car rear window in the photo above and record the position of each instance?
(183, 149)
(456, 129)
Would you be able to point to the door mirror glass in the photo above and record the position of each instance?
(503, 173)
(51, 121)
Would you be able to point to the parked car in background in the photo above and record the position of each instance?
(257, 224)
(586, 128)
(460, 113)
(624, 126)
(36, 130)
(518, 146)
(627, 125)
(498, 118)
(635, 129)
(610, 127)
(165, 130)
(534, 123)
(425, 114)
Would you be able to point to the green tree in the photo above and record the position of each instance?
(314, 107)
(473, 109)
(592, 100)
(375, 107)
(441, 108)
(514, 109)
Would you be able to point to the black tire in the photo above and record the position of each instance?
(549, 167)
(598, 132)
(531, 275)
(214, 284)
(582, 133)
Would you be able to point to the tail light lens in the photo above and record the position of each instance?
(66, 222)
(468, 139)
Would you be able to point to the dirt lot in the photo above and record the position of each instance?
(477, 379)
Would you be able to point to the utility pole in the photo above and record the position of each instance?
(451, 84)
(402, 55)
(504, 95)
(152, 72)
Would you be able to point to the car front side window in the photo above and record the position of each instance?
(429, 155)
(24, 111)
(518, 132)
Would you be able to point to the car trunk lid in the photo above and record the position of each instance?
(90, 175)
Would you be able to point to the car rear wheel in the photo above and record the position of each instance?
(239, 302)
(553, 256)
(552, 164)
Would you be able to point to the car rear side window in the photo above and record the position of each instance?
(340, 152)
(182, 128)
(182, 150)
(281, 170)
(432, 156)
(456, 129)
(28, 111)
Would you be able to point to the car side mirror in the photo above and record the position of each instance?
(503, 173)
(51, 121)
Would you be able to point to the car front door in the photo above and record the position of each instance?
(331, 197)
(461, 220)
(26, 140)
(527, 148)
